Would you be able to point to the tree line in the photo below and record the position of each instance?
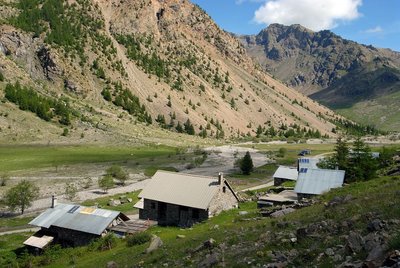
(46, 108)
(357, 160)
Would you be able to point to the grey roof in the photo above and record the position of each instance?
(318, 181)
(307, 162)
(75, 217)
(288, 173)
(284, 196)
(182, 189)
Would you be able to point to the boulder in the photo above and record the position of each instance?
(355, 243)
(282, 212)
(392, 259)
(329, 252)
(375, 225)
(243, 213)
(70, 86)
(375, 257)
(155, 243)
(180, 236)
(114, 202)
(210, 243)
(112, 264)
(210, 260)
(337, 200)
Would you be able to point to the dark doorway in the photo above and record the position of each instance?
(183, 216)
(162, 211)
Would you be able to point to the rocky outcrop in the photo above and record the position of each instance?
(29, 52)
(47, 62)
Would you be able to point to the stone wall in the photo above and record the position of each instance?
(223, 200)
(173, 214)
(304, 196)
(67, 237)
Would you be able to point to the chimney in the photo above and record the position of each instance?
(53, 201)
(220, 178)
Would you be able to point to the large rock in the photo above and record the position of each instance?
(155, 243)
(355, 243)
(282, 212)
(375, 225)
(337, 200)
(114, 202)
(392, 260)
(210, 260)
(112, 264)
(47, 62)
(375, 257)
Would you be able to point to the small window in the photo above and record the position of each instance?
(153, 205)
(224, 189)
(303, 170)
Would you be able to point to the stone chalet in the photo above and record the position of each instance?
(183, 199)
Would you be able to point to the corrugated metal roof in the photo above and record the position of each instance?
(181, 189)
(318, 181)
(306, 162)
(78, 218)
(286, 173)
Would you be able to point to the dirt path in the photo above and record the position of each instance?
(44, 203)
(222, 159)
(269, 184)
(26, 230)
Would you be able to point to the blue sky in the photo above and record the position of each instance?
(370, 22)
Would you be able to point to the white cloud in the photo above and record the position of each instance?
(377, 29)
(314, 14)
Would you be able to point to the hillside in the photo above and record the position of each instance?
(342, 74)
(355, 226)
(136, 71)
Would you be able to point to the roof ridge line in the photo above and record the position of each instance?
(183, 174)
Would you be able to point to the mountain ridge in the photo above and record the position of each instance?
(337, 72)
(177, 64)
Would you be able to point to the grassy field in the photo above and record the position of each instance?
(12, 223)
(16, 158)
(126, 208)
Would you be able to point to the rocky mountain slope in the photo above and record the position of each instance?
(334, 71)
(136, 69)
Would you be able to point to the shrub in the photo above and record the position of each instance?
(1, 77)
(3, 180)
(137, 239)
(394, 242)
(107, 242)
(65, 132)
(282, 152)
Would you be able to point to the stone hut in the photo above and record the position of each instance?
(183, 199)
(73, 225)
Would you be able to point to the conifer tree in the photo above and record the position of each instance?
(246, 165)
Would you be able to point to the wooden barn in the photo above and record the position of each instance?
(183, 199)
